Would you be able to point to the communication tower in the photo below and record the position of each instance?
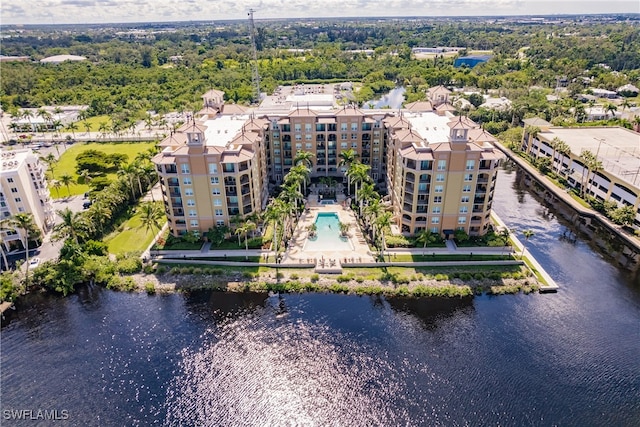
(255, 75)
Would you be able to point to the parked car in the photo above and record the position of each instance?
(86, 204)
(33, 263)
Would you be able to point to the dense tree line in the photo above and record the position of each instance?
(128, 73)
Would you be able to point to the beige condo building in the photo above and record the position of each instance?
(23, 189)
(438, 169)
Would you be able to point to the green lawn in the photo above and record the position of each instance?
(129, 236)
(94, 122)
(67, 162)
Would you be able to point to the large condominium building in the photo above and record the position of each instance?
(617, 149)
(438, 169)
(23, 189)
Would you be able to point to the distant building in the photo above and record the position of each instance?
(23, 189)
(57, 59)
(628, 90)
(499, 104)
(439, 170)
(617, 148)
(471, 61)
(4, 58)
(603, 93)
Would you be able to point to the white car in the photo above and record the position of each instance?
(34, 262)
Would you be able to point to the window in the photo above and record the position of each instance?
(435, 230)
(422, 186)
(465, 199)
(464, 209)
(462, 220)
(437, 199)
(220, 222)
(471, 165)
(438, 188)
(442, 165)
(468, 177)
(343, 126)
(307, 127)
(193, 213)
(217, 202)
(354, 136)
(186, 181)
(184, 168)
(9, 179)
(297, 127)
(376, 142)
(188, 191)
(215, 180)
(194, 223)
(343, 136)
(298, 145)
(436, 210)
(14, 190)
(440, 177)
(219, 212)
(435, 220)
(215, 191)
(18, 200)
(308, 146)
(354, 126)
(354, 145)
(344, 145)
(298, 137)
(191, 202)
(466, 189)
(213, 168)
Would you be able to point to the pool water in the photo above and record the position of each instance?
(328, 234)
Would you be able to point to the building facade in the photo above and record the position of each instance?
(438, 169)
(616, 149)
(23, 189)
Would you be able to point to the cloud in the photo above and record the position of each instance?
(97, 11)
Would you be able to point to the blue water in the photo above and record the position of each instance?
(211, 358)
(393, 100)
(327, 235)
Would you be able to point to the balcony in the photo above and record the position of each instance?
(410, 178)
(479, 200)
(408, 199)
(409, 188)
(178, 212)
(245, 189)
(246, 200)
(407, 207)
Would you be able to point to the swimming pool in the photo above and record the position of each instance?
(328, 202)
(328, 235)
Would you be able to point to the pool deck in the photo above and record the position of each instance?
(327, 262)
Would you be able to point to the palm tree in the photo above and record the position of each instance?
(57, 125)
(367, 193)
(103, 127)
(84, 177)
(2, 253)
(237, 222)
(426, 236)
(87, 127)
(275, 211)
(304, 158)
(73, 127)
(151, 214)
(358, 173)
(247, 227)
(564, 150)
(50, 160)
(99, 213)
(73, 225)
(373, 211)
(57, 184)
(66, 180)
(344, 228)
(23, 222)
(527, 234)
(383, 221)
(611, 108)
(128, 172)
(28, 114)
(347, 157)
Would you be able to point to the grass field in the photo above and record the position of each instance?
(94, 122)
(67, 162)
(130, 236)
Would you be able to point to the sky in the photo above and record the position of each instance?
(112, 11)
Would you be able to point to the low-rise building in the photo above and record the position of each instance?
(616, 148)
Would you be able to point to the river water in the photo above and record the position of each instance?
(207, 358)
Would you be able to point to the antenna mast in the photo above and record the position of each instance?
(255, 75)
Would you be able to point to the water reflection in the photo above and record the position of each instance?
(393, 100)
(433, 311)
